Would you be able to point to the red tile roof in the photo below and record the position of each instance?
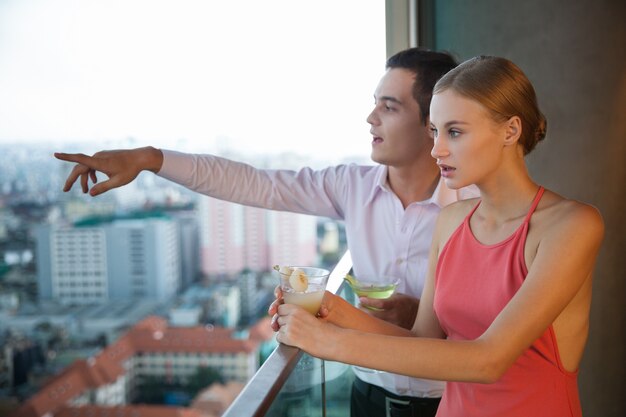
(128, 411)
(262, 330)
(151, 335)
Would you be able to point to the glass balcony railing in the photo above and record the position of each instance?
(293, 383)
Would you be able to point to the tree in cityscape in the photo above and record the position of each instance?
(153, 390)
(202, 378)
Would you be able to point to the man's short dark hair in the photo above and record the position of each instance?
(428, 66)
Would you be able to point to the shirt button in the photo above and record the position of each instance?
(399, 261)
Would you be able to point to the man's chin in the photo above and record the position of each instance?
(375, 156)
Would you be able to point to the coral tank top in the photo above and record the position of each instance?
(474, 282)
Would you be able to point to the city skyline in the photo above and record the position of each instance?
(197, 77)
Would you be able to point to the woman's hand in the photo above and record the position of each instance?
(273, 308)
(328, 304)
(297, 327)
(301, 329)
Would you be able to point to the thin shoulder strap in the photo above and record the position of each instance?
(535, 203)
(471, 213)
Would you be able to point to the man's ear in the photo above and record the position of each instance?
(513, 131)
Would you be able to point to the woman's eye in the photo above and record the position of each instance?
(454, 133)
(433, 131)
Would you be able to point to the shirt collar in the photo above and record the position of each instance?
(442, 196)
(380, 184)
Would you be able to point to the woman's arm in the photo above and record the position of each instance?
(564, 261)
(413, 356)
(338, 312)
(426, 324)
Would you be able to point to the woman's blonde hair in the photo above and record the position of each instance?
(501, 87)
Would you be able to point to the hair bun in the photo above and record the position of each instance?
(542, 127)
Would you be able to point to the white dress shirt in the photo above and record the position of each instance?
(385, 239)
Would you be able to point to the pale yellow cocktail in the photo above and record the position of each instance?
(303, 286)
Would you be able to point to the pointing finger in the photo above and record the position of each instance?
(79, 158)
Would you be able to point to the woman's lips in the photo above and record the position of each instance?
(377, 140)
(446, 170)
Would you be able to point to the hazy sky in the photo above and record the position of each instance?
(265, 76)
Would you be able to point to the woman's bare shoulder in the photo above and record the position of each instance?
(458, 209)
(559, 214)
(451, 217)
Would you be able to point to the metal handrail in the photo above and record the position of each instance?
(261, 391)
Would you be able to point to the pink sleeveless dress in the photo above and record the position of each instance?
(474, 282)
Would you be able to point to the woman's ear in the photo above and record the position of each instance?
(513, 131)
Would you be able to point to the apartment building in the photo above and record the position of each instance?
(72, 264)
(234, 237)
(109, 259)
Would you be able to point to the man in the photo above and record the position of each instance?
(389, 209)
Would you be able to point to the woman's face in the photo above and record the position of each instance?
(468, 142)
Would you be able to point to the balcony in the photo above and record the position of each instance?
(293, 383)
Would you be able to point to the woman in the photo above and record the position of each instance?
(505, 312)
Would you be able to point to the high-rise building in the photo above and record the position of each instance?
(143, 259)
(72, 264)
(252, 297)
(236, 237)
(256, 248)
(292, 239)
(221, 236)
(189, 238)
(114, 259)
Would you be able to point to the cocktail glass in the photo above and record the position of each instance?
(311, 298)
(372, 287)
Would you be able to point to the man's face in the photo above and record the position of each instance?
(400, 137)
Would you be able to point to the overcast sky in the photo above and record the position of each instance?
(265, 76)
